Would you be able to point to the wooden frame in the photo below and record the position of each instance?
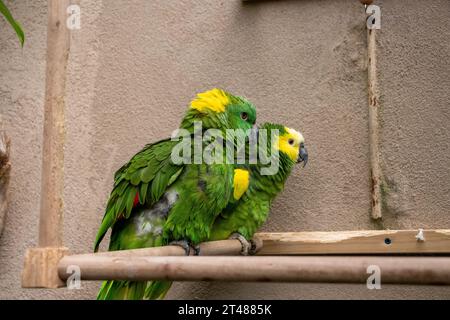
(153, 263)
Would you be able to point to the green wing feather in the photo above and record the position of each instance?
(148, 173)
(121, 290)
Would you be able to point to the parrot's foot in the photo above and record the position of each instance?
(246, 245)
(196, 250)
(183, 244)
(253, 247)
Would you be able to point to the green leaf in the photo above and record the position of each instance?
(5, 11)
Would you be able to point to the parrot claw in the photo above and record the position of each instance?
(196, 250)
(183, 244)
(246, 245)
(253, 247)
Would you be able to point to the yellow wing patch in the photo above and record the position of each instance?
(240, 182)
(215, 100)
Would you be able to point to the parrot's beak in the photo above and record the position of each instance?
(302, 155)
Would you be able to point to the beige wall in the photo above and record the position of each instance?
(134, 68)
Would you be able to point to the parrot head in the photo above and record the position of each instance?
(288, 142)
(219, 109)
(292, 143)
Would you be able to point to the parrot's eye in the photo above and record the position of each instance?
(291, 141)
(244, 115)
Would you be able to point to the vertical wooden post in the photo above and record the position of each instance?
(40, 263)
(58, 41)
(5, 168)
(374, 105)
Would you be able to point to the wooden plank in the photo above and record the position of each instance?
(403, 270)
(40, 263)
(355, 242)
(40, 268)
(58, 45)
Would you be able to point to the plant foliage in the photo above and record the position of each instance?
(16, 26)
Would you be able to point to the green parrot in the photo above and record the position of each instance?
(256, 186)
(156, 200)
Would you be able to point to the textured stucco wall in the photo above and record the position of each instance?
(133, 69)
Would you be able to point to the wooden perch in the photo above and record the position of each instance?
(404, 270)
(5, 169)
(40, 263)
(107, 265)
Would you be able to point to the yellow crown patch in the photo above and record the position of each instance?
(215, 100)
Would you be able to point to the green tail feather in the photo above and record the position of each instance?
(133, 290)
(157, 290)
(122, 290)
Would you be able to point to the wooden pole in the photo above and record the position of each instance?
(402, 270)
(374, 106)
(5, 168)
(58, 45)
(40, 263)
